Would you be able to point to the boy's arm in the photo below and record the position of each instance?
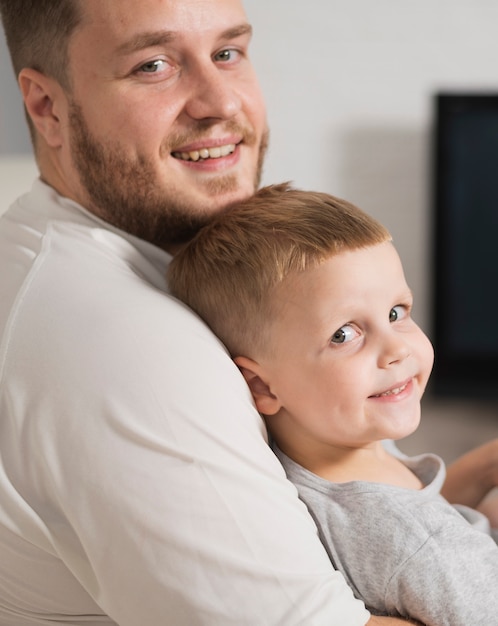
(472, 476)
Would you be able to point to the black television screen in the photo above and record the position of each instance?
(465, 297)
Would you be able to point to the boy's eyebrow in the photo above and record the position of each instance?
(162, 37)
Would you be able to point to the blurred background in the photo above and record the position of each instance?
(350, 89)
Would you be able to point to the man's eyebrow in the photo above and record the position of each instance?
(237, 31)
(146, 40)
(162, 37)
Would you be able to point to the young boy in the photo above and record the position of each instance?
(308, 294)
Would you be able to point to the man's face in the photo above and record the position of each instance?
(167, 123)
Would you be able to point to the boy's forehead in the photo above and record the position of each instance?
(348, 275)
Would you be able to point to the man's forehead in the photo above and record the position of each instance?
(110, 29)
(129, 25)
(184, 14)
(148, 39)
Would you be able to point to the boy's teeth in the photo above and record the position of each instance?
(391, 392)
(205, 153)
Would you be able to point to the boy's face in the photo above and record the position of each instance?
(348, 365)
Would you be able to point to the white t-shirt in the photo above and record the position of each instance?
(136, 483)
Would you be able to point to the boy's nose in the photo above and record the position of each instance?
(395, 349)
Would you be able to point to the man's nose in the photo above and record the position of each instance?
(212, 94)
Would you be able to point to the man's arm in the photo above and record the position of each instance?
(151, 458)
(389, 621)
(472, 476)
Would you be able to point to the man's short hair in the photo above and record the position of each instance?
(38, 32)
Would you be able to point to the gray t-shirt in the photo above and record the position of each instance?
(406, 552)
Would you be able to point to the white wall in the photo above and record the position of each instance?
(349, 86)
(14, 136)
(16, 175)
(17, 165)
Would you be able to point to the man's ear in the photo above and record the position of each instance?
(259, 384)
(43, 98)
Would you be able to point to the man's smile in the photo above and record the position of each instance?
(206, 153)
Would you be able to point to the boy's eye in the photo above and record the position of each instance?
(343, 335)
(397, 313)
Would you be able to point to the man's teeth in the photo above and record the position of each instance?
(206, 153)
(392, 392)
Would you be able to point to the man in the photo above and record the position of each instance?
(136, 484)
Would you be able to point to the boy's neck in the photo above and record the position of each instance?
(371, 464)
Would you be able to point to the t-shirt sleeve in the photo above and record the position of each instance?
(451, 579)
(404, 553)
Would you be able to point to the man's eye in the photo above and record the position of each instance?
(343, 335)
(152, 67)
(397, 313)
(226, 55)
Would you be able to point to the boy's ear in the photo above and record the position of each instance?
(266, 402)
(43, 97)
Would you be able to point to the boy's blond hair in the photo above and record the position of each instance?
(230, 270)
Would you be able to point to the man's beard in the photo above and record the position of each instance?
(126, 192)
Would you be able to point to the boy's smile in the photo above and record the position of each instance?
(348, 365)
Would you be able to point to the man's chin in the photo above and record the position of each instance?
(221, 194)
